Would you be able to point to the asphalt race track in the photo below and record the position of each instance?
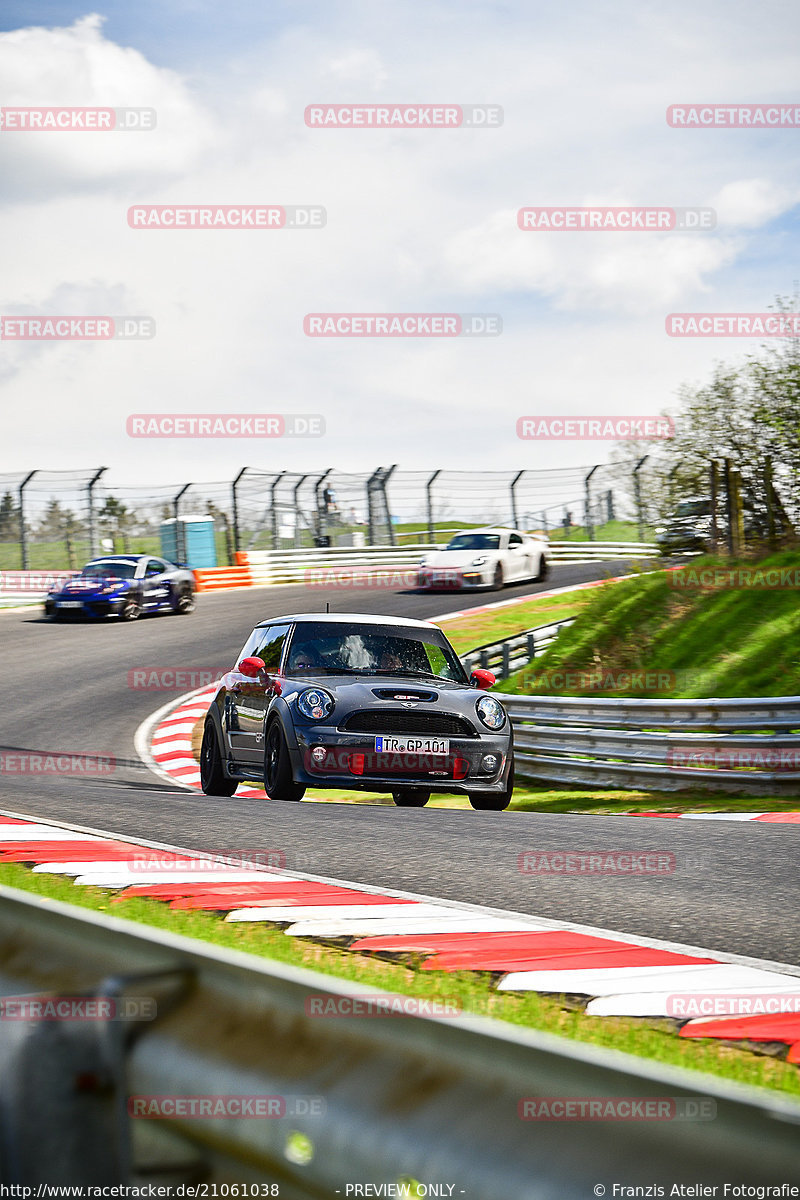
(734, 888)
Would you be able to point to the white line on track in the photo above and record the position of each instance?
(459, 906)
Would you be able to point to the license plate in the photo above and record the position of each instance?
(444, 576)
(68, 604)
(412, 745)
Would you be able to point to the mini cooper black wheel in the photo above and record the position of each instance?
(213, 779)
(184, 602)
(411, 797)
(494, 801)
(130, 611)
(278, 781)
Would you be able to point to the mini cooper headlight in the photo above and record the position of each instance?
(315, 703)
(491, 712)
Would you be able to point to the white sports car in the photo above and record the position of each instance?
(484, 558)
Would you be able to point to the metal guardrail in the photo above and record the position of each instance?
(510, 654)
(750, 746)
(285, 566)
(431, 1099)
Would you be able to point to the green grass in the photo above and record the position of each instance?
(469, 631)
(473, 992)
(737, 642)
(52, 556)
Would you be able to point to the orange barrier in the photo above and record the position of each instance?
(212, 579)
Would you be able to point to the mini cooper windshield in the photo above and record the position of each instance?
(323, 648)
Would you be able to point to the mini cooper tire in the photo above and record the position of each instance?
(494, 801)
(213, 779)
(278, 781)
(130, 611)
(411, 797)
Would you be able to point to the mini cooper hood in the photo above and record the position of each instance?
(360, 692)
(456, 558)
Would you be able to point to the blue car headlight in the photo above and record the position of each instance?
(315, 704)
(491, 712)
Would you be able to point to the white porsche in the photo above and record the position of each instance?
(484, 558)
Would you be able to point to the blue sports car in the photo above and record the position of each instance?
(125, 586)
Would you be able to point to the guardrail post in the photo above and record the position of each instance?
(23, 535)
(506, 660)
(638, 493)
(531, 646)
(429, 502)
(90, 511)
(235, 508)
(588, 503)
(180, 535)
(514, 515)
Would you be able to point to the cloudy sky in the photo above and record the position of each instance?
(417, 221)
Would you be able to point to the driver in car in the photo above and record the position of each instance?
(304, 658)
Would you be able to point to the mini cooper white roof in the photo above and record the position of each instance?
(349, 618)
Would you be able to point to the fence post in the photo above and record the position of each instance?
(713, 473)
(514, 482)
(738, 513)
(729, 505)
(506, 660)
(180, 534)
(588, 503)
(235, 509)
(23, 534)
(771, 526)
(322, 508)
(386, 475)
(429, 501)
(296, 502)
(638, 493)
(91, 515)
(273, 510)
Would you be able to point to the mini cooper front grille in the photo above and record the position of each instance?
(389, 720)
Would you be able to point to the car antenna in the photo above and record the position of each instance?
(327, 606)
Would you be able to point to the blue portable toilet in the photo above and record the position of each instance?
(190, 541)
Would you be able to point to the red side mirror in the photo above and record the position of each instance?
(482, 679)
(251, 667)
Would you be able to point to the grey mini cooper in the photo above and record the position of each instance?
(343, 700)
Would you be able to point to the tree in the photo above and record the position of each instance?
(115, 520)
